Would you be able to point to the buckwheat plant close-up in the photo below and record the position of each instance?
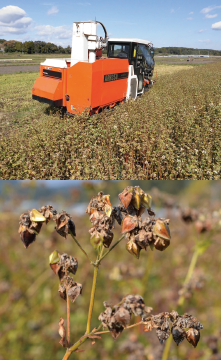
(141, 230)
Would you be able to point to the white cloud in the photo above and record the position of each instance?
(58, 32)
(216, 26)
(202, 30)
(204, 41)
(172, 11)
(9, 14)
(53, 10)
(209, 8)
(208, 16)
(189, 18)
(191, 13)
(13, 20)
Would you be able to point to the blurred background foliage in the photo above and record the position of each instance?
(30, 306)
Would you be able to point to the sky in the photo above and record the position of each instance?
(195, 23)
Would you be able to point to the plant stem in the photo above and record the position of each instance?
(68, 318)
(92, 299)
(72, 235)
(181, 299)
(189, 275)
(112, 247)
(79, 343)
(128, 327)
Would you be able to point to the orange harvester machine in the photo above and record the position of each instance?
(86, 81)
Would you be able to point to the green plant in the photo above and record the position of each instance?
(140, 234)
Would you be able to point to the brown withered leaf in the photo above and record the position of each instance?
(62, 333)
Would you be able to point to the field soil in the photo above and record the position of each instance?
(19, 68)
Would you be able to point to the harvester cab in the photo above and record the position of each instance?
(90, 81)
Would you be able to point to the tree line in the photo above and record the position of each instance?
(33, 47)
(41, 47)
(185, 51)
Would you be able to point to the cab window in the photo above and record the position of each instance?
(119, 50)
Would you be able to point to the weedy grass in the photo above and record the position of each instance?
(172, 132)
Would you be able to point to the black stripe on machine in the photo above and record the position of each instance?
(48, 101)
(55, 74)
(113, 77)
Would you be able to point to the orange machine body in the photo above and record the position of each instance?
(91, 86)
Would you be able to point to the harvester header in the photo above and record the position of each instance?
(90, 81)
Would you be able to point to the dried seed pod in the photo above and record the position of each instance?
(161, 244)
(64, 224)
(162, 230)
(36, 216)
(178, 334)
(163, 334)
(122, 316)
(193, 336)
(62, 291)
(174, 314)
(142, 239)
(26, 236)
(126, 197)
(129, 223)
(74, 291)
(48, 212)
(28, 229)
(116, 319)
(69, 263)
(107, 237)
(133, 248)
(135, 304)
(117, 214)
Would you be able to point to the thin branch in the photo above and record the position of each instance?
(92, 299)
(112, 247)
(128, 327)
(68, 319)
(79, 343)
(72, 235)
